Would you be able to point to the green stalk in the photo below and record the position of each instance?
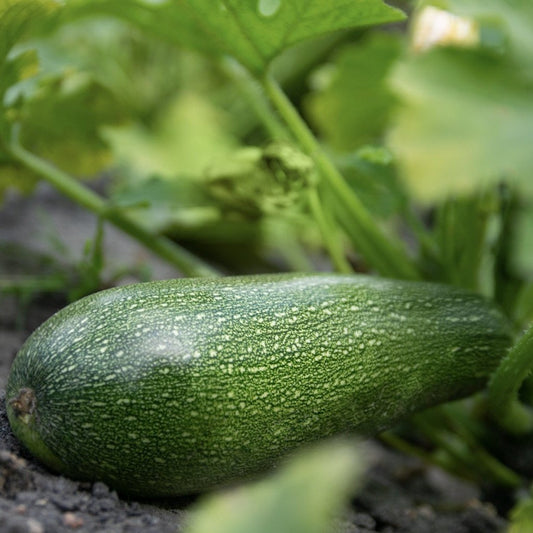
(465, 254)
(327, 229)
(380, 253)
(31, 284)
(472, 458)
(505, 384)
(463, 427)
(252, 91)
(174, 254)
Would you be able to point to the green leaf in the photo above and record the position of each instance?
(522, 517)
(190, 134)
(142, 72)
(353, 107)
(62, 122)
(59, 112)
(252, 31)
(465, 123)
(17, 19)
(162, 204)
(303, 497)
(513, 18)
(371, 174)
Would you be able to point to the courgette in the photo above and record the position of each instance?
(172, 387)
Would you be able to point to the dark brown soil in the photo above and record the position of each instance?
(401, 495)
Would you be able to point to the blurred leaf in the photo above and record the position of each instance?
(142, 73)
(466, 122)
(514, 18)
(164, 204)
(62, 122)
(59, 113)
(522, 517)
(302, 497)
(523, 241)
(353, 107)
(188, 137)
(371, 173)
(17, 18)
(252, 31)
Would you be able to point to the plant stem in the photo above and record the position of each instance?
(380, 253)
(332, 243)
(174, 254)
(252, 91)
(505, 384)
(31, 284)
(463, 426)
(466, 452)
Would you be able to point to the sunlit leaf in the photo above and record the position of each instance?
(353, 107)
(522, 517)
(187, 138)
(466, 122)
(303, 497)
(513, 18)
(252, 31)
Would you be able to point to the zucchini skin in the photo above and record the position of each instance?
(173, 387)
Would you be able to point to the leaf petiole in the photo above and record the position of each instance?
(168, 250)
(505, 384)
(378, 250)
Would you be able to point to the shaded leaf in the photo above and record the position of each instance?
(162, 203)
(354, 106)
(372, 175)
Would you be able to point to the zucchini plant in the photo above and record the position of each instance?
(371, 153)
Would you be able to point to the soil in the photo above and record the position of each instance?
(400, 494)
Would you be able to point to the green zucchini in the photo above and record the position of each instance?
(179, 386)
